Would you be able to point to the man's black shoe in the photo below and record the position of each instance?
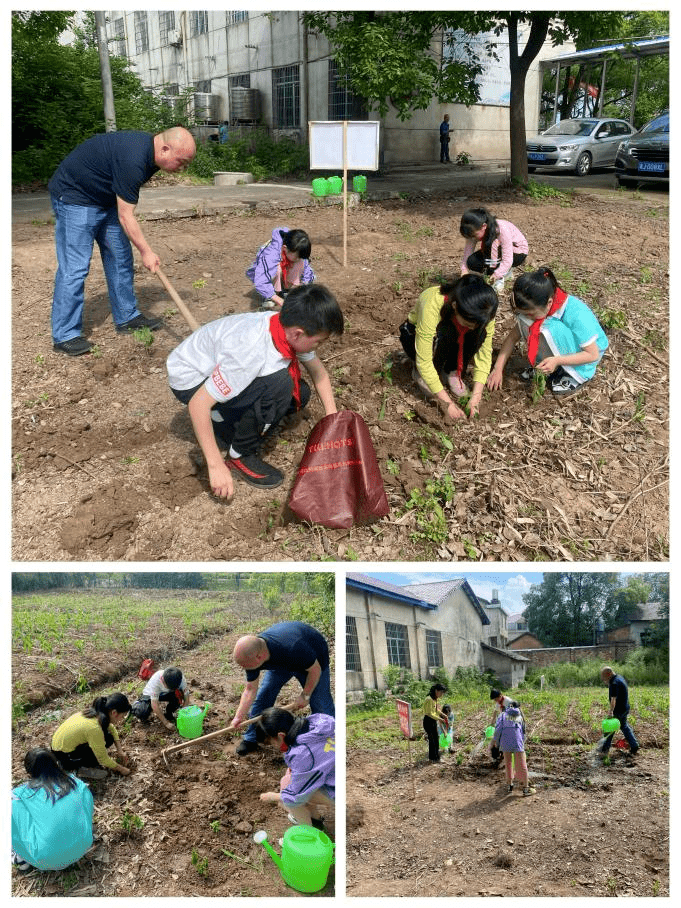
(140, 321)
(255, 471)
(247, 747)
(74, 346)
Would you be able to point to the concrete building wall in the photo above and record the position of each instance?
(496, 632)
(457, 621)
(510, 672)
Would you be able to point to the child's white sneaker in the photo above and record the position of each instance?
(527, 791)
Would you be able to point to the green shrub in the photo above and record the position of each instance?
(257, 153)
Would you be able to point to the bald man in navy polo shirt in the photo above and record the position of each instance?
(94, 192)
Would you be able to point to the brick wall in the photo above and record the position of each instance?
(613, 651)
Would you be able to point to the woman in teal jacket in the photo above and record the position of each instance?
(51, 815)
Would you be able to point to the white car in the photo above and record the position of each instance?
(578, 145)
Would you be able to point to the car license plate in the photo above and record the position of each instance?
(652, 166)
(535, 156)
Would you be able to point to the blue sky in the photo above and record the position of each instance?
(510, 584)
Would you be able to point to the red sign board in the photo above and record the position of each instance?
(404, 715)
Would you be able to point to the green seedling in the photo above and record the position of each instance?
(131, 823)
(409, 415)
(199, 285)
(385, 372)
(200, 864)
(215, 825)
(612, 318)
(538, 386)
(469, 549)
(96, 352)
(393, 466)
(40, 359)
(463, 158)
(144, 336)
(130, 459)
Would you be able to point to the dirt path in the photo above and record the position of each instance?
(590, 830)
(106, 467)
(198, 813)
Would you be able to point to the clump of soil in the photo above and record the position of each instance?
(106, 466)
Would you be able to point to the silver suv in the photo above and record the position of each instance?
(577, 145)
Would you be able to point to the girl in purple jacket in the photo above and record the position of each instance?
(281, 264)
(308, 788)
(509, 736)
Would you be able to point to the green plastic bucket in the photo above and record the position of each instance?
(489, 731)
(610, 726)
(335, 185)
(446, 740)
(320, 187)
(190, 721)
(359, 183)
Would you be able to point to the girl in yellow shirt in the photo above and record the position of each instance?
(82, 740)
(431, 715)
(450, 328)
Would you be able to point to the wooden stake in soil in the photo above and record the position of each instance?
(181, 305)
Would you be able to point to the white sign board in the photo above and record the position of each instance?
(326, 144)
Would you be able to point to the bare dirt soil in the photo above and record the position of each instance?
(198, 812)
(454, 830)
(106, 466)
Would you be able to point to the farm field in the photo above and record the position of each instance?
(181, 828)
(451, 829)
(105, 463)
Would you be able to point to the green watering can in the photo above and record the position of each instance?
(306, 857)
(610, 726)
(489, 732)
(190, 720)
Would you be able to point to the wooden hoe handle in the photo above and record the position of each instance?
(184, 309)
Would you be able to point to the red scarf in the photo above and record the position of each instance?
(284, 264)
(461, 335)
(559, 298)
(280, 342)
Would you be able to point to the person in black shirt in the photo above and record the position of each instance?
(94, 192)
(618, 691)
(287, 650)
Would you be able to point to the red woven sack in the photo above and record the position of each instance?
(338, 482)
(146, 669)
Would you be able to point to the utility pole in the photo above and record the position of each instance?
(107, 85)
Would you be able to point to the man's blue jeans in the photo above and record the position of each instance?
(321, 700)
(77, 227)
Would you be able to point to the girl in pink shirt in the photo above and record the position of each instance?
(502, 245)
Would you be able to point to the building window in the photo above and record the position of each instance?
(434, 648)
(166, 24)
(243, 80)
(234, 16)
(286, 97)
(118, 37)
(141, 33)
(398, 645)
(198, 22)
(343, 105)
(352, 660)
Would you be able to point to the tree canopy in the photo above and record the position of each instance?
(564, 608)
(57, 93)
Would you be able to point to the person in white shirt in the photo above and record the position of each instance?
(240, 375)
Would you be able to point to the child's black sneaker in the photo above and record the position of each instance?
(140, 321)
(247, 747)
(255, 472)
(510, 788)
(563, 385)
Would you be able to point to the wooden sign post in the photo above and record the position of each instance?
(404, 715)
(350, 145)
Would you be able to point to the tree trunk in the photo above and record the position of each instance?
(519, 66)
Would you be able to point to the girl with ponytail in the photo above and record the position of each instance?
(81, 741)
(502, 245)
(451, 328)
(563, 336)
(308, 788)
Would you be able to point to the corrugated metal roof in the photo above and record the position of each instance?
(644, 47)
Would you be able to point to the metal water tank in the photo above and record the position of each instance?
(206, 107)
(244, 104)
